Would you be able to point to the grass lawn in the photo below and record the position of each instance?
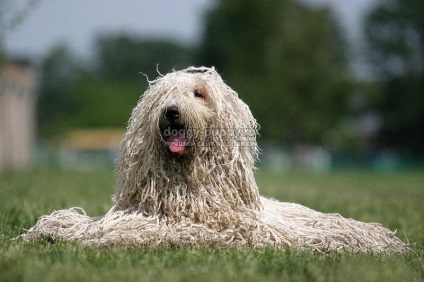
(396, 200)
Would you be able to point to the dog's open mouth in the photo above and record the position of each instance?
(175, 138)
(177, 144)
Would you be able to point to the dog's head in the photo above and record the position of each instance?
(190, 145)
(193, 111)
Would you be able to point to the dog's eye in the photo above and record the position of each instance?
(199, 94)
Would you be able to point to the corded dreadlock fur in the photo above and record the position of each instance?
(185, 175)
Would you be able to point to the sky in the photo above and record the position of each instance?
(76, 22)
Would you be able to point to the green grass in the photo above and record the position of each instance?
(396, 200)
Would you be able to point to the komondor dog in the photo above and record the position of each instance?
(185, 175)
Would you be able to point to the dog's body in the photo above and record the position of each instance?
(185, 175)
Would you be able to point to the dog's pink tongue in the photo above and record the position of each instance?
(177, 144)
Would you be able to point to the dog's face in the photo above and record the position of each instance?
(191, 113)
(186, 112)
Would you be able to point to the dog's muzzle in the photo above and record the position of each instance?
(174, 135)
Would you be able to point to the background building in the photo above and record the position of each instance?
(17, 115)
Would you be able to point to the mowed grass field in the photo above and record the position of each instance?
(396, 200)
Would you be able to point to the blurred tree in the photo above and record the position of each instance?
(103, 91)
(124, 56)
(395, 35)
(55, 105)
(107, 94)
(104, 102)
(287, 61)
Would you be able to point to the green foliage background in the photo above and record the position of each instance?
(276, 54)
(290, 62)
(395, 35)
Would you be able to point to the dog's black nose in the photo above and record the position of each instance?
(172, 113)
